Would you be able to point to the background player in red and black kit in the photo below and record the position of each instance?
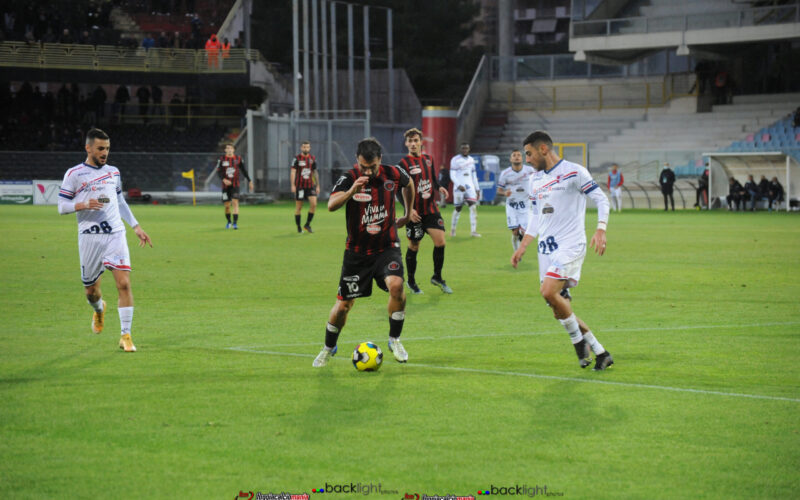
(425, 216)
(228, 168)
(372, 250)
(304, 185)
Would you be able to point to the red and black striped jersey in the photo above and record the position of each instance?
(422, 171)
(304, 167)
(370, 213)
(229, 167)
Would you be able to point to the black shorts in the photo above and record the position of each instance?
(230, 193)
(416, 230)
(358, 271)
(304, 193)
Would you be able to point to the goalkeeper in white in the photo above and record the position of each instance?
(559, 189)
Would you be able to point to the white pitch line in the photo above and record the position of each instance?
(550, 377)
(406, 338)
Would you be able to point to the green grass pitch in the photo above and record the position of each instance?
(700, 311)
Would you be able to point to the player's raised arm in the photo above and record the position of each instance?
(344, 189)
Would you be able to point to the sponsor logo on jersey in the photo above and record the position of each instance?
(373, 228)
(548, 209)
(415, 170)
(225, 163)
(388, 185)
(103, 199)
(362, 197)
(520, 189)
(302, 163)
(393, 265)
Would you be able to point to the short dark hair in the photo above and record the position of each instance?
(411, 132)
(369, 149)
(463, 144)
(95, 133)
(536, 137)
(305, 142)
(516, 150)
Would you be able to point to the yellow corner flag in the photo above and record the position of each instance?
(190, 175)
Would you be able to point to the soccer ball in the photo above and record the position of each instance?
(367, 357)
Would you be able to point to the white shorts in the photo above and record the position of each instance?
(518, 213)
(562, 264)
(460, 196)
(100, 251)
(616, 192)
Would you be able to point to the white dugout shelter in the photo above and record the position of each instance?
(723, 166)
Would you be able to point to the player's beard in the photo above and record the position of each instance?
(99, 160)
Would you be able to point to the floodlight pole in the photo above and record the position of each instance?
(324, 23)
(390, 49)
(315, 52)
(366, 58)
(305, 58)
(334, 62)
(350, 79)
(295, 56)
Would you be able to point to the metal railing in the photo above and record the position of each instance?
(560, 66)
(111, 58)
(471, 108)
(623, 95)
(759, 16)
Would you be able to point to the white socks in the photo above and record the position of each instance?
(97, 306)
(571, 326)
(596, 346)
(454, 223)
(514, 241)
(473, 218)
(125, 319)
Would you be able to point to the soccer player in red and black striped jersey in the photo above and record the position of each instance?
(425, 217)
(228, 168)
(304, 185)
(372, 250)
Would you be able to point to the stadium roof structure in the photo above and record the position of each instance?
(723, 166)
(710, 34)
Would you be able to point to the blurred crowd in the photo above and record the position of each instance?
(57, 21)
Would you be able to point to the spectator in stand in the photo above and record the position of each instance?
(237, 44)
(736, 194)
(29, 38)
(143, 94)
(775, 192)
(148, 42)
(85, 38)
(212, 51)
(157, 95)
(175, 110)
(196, 24)
(796, 119)
(163, 41)
(226, 49)
(66, 37)
(121, 99)
(702, 190)
(99, 97)
(49, 36)
(751, 188)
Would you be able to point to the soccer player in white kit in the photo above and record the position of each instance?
(559, 189)
(514, 183)
(93, 190)
(465, 188)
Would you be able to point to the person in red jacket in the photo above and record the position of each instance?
(212, 51)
